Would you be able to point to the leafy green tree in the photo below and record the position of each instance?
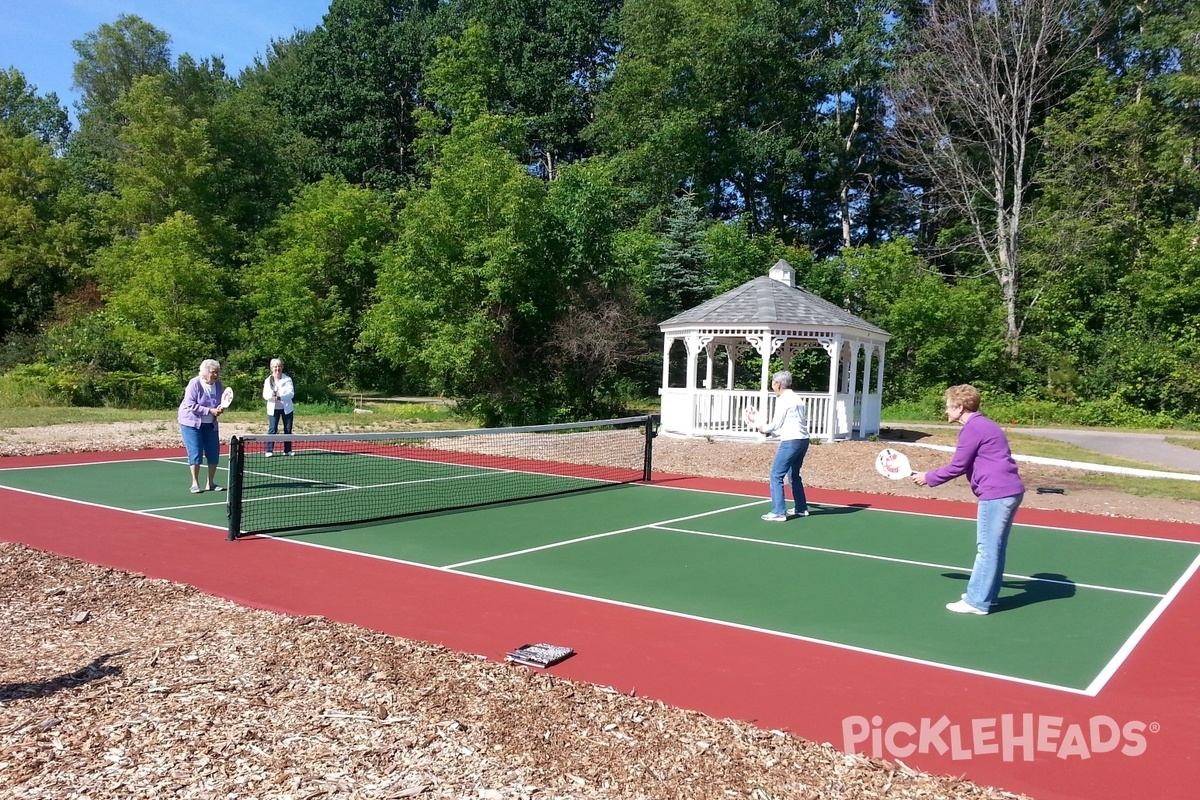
(114, 56)
(940, 331)
(166, 298)
(549, 60)
(166, 161)
(973, 88)
(38, 247)
(312, 280)
(24, 113)
(735, 102)
(351, 85)
(466, 295)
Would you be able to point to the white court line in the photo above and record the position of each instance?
(150, 514)
(164, 459)
(566, 542)
(1037, 526)
(893, 559)
(1119, 657)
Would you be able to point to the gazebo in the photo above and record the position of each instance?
(771, 316)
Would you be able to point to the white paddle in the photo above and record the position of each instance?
(227, 397)
(893, 464)
(750, 416)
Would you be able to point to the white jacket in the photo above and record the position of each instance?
(284, 388)
(790, 420)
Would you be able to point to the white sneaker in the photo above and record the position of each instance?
(267, 455)
(796, 513)
(775, 517)
(990, 605)
(290, 453)
(963, 607)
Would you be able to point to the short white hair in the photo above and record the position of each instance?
(275, 361)
(783, 378)
(208, 365)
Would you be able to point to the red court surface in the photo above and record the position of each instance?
(1136, 738)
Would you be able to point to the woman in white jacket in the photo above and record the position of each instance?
(278, 391)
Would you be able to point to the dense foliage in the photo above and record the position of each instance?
(497, 200)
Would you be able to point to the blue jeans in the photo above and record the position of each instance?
(993, 524)
(273, 428)
(787, 462)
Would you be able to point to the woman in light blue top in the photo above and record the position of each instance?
(791, 423)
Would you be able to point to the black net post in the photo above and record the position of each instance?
(237, 458)
(649, 465)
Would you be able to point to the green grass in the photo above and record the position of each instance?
(322, 416)
(1185, 441)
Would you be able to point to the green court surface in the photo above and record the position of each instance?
(1074, 603)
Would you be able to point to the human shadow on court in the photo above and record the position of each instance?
(1040, 587)
(94, 671)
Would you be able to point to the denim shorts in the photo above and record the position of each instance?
(201, 441)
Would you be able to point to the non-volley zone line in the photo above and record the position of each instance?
(894, 559)
(604, 534)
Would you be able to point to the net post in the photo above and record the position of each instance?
(647, 468)
(234, 496)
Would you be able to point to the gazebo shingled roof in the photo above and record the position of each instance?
(765, 301)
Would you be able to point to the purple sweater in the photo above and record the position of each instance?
(983, 456)
(196, 407)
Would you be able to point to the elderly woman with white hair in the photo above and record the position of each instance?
(198, 423)
(279, 392)
(791, 424)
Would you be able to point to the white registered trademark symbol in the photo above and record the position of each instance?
(1155, 727)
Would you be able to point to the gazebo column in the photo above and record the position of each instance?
(693, 356)
(879, 375)
(666, 376)
(834, 348)
(710, 350)
(731, 354)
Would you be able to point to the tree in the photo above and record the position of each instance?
(114, 56)
(38, 247)
(165, 163)
(23, 113)
(968, 99)
(111, 59)
(550, 59)
(738, 103)
(351, 85)
(466, 296)
(165, 296)
(313, 278)
(681, 278)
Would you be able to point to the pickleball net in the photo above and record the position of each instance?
(346, 479)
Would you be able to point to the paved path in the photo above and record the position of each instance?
(1148, 448)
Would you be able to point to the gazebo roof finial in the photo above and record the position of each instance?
(784, 273)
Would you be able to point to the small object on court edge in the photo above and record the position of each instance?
(539, 655)
(1050, 490)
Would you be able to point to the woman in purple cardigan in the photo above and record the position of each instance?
(983, 455)
(198, 422)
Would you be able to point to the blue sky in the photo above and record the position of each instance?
(36, 35)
